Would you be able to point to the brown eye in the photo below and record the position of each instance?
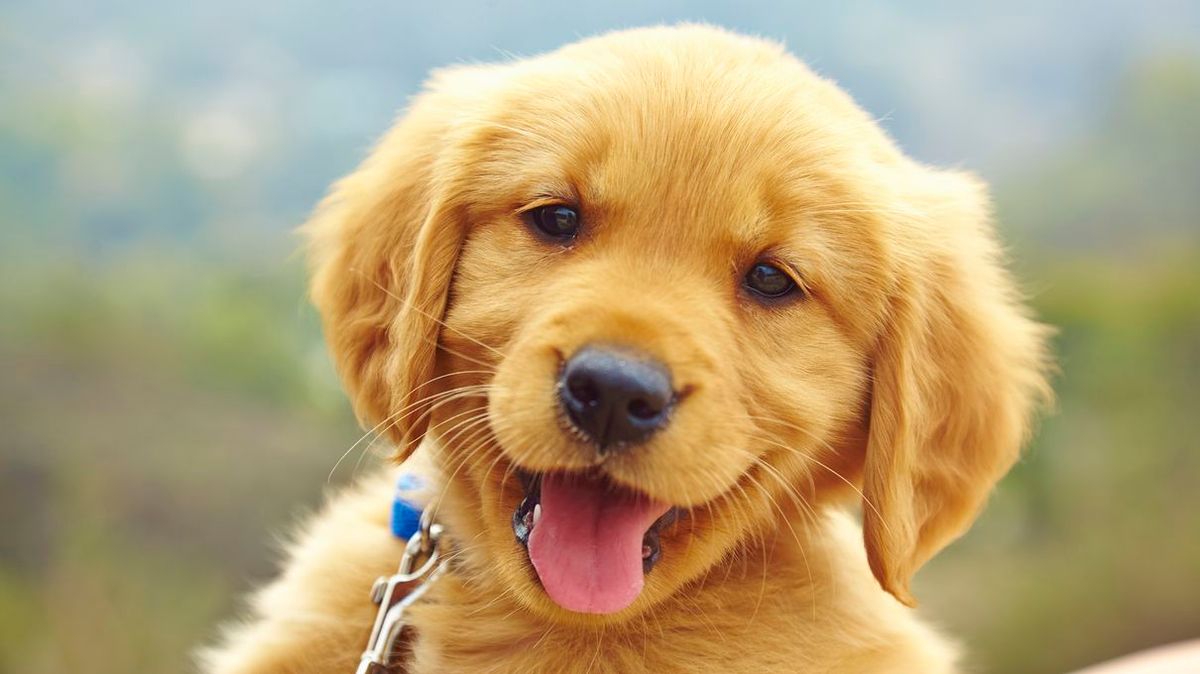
(556, 221)
(769, 281)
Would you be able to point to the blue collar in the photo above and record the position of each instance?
(406, 514)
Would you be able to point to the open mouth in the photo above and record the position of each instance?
(590, 542)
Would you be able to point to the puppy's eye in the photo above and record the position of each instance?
(769, 281)
(555, 221)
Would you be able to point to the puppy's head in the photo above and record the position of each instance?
(658, 290)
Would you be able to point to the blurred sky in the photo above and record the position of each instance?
(281, 97)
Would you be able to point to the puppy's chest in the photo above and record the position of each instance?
(759, 634)
(624, 652)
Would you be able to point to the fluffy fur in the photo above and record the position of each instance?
(904, 378)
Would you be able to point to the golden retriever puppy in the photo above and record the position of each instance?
(656, 307)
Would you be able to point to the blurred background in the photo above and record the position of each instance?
(167, 410)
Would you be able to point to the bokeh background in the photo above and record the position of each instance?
(167, 410)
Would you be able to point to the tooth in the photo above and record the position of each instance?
(537, 513)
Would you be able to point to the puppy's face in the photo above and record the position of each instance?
(661, 289)
(677, 328)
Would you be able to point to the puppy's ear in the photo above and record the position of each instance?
(957, 373)
(382, 248)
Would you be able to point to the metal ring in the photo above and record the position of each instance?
(411, 552)
(426, 529)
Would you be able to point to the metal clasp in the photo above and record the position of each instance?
(422, 563)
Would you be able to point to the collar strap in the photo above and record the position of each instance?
(406, 508)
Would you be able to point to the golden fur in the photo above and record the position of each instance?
(903, 379)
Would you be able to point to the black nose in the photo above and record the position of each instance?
(616, 398)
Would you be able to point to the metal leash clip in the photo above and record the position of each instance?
(422, 563)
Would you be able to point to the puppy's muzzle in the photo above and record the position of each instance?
(615, 397)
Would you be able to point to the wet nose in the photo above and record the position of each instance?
(615, 397)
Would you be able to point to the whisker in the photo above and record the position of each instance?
(817, 461)
(392, 416)
(444, 398)
(478, 428)
(801, 502)
(469, 359)
(435, 319)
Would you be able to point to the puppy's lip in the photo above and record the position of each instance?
(531, 482)
(524, 517)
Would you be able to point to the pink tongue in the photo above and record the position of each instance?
(587, 544)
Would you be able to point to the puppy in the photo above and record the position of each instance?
(656, 307)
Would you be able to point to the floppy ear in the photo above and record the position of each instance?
(957, 373)
(382, 248)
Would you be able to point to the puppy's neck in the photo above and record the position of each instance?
(782, 581)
